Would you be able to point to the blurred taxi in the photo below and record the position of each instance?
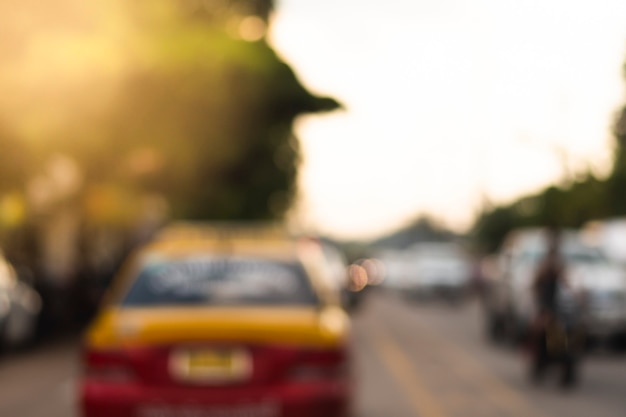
(219, 322)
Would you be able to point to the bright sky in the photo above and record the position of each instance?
(447, 99)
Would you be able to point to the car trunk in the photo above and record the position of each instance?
(221, 348)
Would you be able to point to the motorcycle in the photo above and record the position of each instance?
(559, 339)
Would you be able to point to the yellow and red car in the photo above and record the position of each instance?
(214, 323)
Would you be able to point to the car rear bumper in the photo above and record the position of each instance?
(329, 399)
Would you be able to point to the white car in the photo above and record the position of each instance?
(20, 306)
(338, 269)
(439, 269)
(601, 285)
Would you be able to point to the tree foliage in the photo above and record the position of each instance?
(422, 229)
(181, 99)
(587, 199)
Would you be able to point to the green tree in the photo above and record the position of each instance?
(14, 161)
(587, 199)
(617, 180)
(181, 98)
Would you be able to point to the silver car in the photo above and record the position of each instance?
(20, 306)
(599, 284)
(440, 269)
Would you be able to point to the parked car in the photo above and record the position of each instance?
(440, 269)
(599, 283)
(20, 306)
(397, 270)
(218, 322)
(610, 236)
(339, 269)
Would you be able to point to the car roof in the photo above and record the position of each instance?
(437, 247)
(267, 240)
(231, 230)
(257, 240)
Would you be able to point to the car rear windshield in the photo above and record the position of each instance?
(220, 281)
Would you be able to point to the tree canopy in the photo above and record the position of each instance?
(180, 99)
(589, 198)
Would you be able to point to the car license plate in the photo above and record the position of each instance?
(210, 365)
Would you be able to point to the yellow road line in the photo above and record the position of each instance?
(400, 366)
(502, 394)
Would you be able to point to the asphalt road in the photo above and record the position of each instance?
(427, 360)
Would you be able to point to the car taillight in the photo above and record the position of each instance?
(110, 365)
(314, 365)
